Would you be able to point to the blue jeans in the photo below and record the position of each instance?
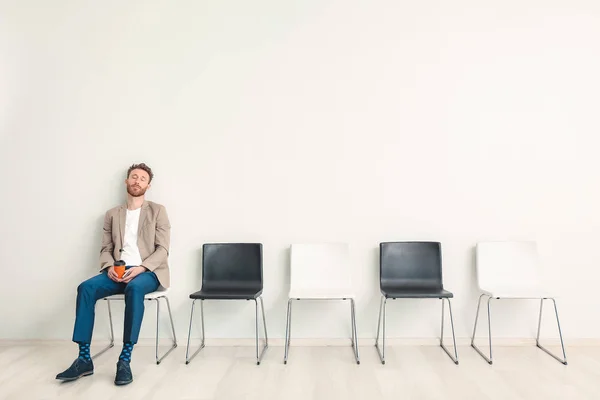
(100, 286)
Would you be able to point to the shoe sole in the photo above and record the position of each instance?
(122, 383)
(75, 378)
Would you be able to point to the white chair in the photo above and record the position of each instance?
(511, 270)
(320, 272)
(159, 294)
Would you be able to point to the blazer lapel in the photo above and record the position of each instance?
(143, 213)
(122, 217)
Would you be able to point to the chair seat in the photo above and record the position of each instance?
(327, 293)
(226, 294)
(415, 293)
(530, 292)
(150, 296)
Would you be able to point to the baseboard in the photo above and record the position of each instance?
(317, 342)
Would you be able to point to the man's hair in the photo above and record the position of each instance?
(143, 167)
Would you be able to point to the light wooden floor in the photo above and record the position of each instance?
(229, 373)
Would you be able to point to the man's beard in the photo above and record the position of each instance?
(139, 193)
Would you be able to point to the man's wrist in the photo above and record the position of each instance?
(146, 269)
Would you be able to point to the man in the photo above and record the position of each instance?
(138, 234)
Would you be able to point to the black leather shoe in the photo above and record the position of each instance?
(78, 369)
(124, 375)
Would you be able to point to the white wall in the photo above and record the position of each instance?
(300, 121)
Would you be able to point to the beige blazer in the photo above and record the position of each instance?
(154, 236)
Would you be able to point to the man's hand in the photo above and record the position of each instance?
(132, 273)
(113, 275)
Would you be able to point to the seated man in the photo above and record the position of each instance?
(138, 234)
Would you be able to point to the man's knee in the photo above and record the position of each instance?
(85, 288)
(134, 291)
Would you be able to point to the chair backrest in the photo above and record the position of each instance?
(410, 265)
(320, 266)
(505, 265)
(232, 266)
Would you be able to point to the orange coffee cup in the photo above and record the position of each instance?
(119, 268)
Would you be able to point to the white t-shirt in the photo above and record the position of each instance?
(131, 252)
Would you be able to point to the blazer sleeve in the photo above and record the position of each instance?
(107, 249)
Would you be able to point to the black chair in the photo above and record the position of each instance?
(230, 271)
(412, 270)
